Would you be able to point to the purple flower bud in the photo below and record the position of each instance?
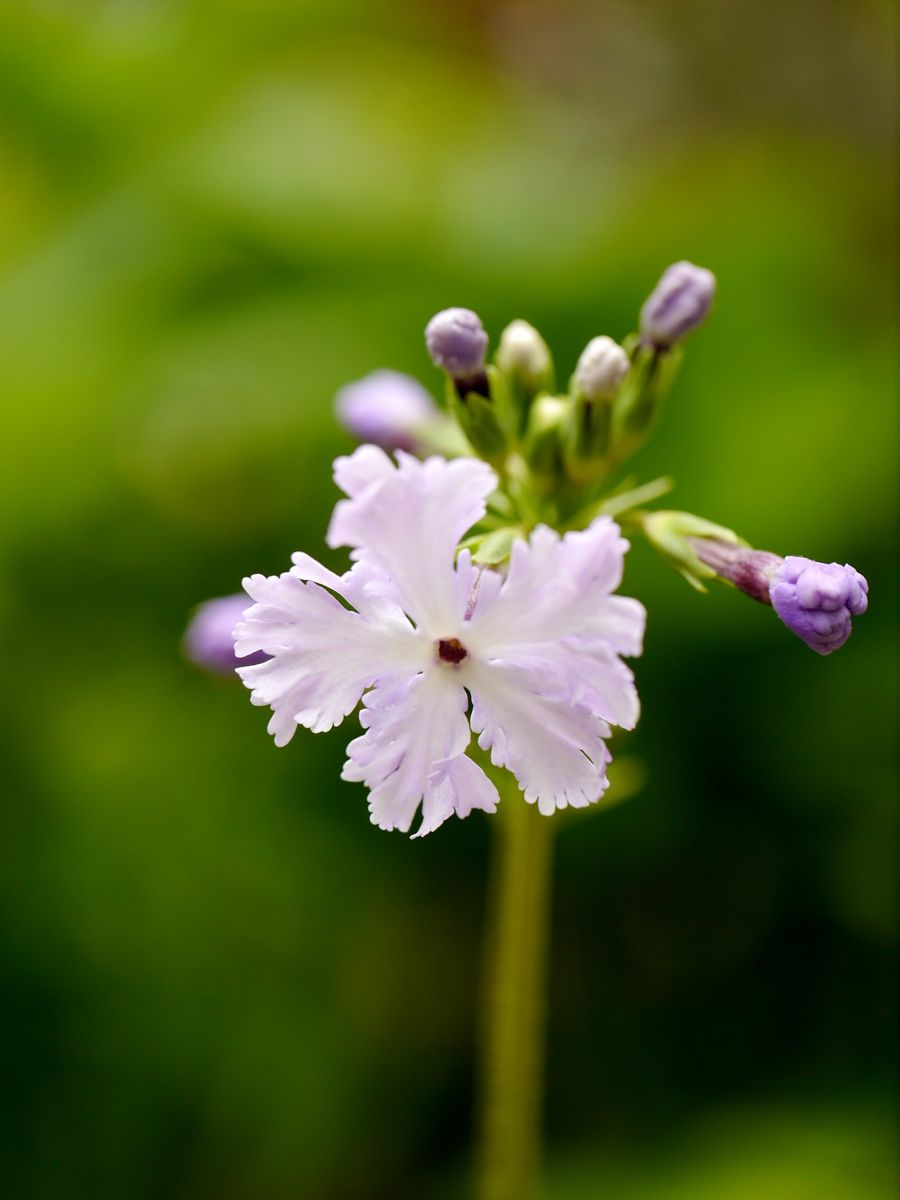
(602, 367)
(457, 343)
(208, 640)
(816, 600)
(385, 407)
(678, 304)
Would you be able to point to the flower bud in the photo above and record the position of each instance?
(600, 370)
(524, 357)
(208, 640)
(816, 600)
(678, 304)
(386, 408)
(457, 343)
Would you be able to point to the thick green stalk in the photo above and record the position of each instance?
(514, 1007)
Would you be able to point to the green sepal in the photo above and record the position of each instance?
(543, 444)
(484, 420)
(637, 407)
(587, 438)
(668, 532)
(493, 548)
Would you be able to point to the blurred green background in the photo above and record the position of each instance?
(217, 981)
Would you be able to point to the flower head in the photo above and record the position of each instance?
(209, 637)
(438, 648)
(386, 408)
(678, 304)
(816, 600)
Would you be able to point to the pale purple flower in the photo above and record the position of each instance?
(423, 636)
(816, 600)
(457, 342)
(208, 639)
(387, 408)
(678, 304)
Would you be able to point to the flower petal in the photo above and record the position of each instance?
(413, 753)
(323, 655)
(589, 675)
(367, 466)
(553, 746)
(409, 522)
(560, 587)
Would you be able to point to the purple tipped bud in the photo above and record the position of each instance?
(208, 640)
(457, 343)
(678, 304)
(602, 367)
(816, 600)
(386, 408)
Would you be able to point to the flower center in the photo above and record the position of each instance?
(451, 650)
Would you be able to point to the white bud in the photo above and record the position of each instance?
(602, 367)
(523, 353)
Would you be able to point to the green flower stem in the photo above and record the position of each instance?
(515, 979)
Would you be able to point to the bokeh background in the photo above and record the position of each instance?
(217, 981)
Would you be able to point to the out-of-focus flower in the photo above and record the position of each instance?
(386, 408)
(537, 650)
(208, 639)
(677, 305)
(601, 368)
(816, 600)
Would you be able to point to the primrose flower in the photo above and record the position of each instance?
(424, 637)
(209, 637)
(816, 600)
(385, 407)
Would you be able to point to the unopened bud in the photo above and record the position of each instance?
(386, 408)
(600, 370)
(458, 344)
(678, 304)
(525, 358)
(209, 641)
(816, 600)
